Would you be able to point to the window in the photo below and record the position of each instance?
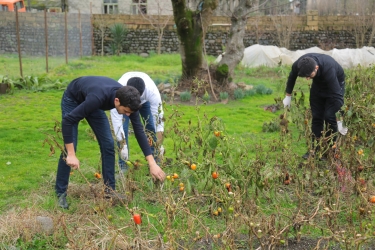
(19, 5)
(3, 7)
(139, 6)
(110, 7)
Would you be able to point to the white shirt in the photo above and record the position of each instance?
(150, 94)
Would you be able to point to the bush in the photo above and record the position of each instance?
(185, 96)
(118, 32)
(250, 92)
(239, 94)
(206, 97)
(262, 90)
(223, 96)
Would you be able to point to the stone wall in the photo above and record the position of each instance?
(293, 32)
(304, 31)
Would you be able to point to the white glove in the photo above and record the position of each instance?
(124, 153)
(287, 100)
(162, 150)
(343, 130)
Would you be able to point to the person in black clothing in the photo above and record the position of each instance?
(326, 93)
(88, 97)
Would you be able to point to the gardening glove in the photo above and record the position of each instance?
(343, 130)
(162, 150)
(124, 153)
(287, 100)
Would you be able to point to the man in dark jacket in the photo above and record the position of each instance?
(326, 93)
(88, 97)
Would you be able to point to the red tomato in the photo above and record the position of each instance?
(215, 175)
(137, 219)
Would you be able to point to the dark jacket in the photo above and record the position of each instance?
(92, 93)
(327, 81)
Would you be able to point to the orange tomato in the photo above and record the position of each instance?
(372, 199)
(215, 175)
(193, 167)
(216, 213)
(98, 176)
(182, 188)
(217, 133)
(175, 176)
(137, 219)
(228, 187)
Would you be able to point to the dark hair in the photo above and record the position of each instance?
(129, 97)
(306, 66)
(137, 83)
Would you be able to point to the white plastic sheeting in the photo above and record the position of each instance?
(271, 56)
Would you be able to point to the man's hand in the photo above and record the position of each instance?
(156, 172)
(343, 130)
(124, 153)
(287, 100)
(72, 161)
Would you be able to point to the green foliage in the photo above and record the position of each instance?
(223, 96)
(206, 97)
(271, 126)
(222, 72)
(118, 33)
(239, 93)
(250, 92)
(263, 90)
(185, 96)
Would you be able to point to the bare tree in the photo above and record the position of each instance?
(101, 24)
(284, 27)
(158, 22)
(235, 47)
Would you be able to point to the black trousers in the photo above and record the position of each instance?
(324, 109)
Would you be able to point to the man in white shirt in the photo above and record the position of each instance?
(151, 113)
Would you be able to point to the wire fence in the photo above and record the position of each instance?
(44, 34)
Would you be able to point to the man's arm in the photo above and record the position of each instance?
(155, 170)
(71, 159)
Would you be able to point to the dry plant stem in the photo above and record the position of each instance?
(67, 232)
(208, 68)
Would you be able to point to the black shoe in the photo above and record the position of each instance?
(62, 201)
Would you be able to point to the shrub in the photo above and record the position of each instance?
(118, 32)
(185, 96)
(250, 92)
(206, 97)
(223, 96)
(239, 94)
(157, 81)
(263, 90)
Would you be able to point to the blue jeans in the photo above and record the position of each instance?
(148, 120)
(99, 123)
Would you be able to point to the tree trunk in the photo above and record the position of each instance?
(235, 47)
(190, 29)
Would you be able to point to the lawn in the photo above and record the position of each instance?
(265, 195)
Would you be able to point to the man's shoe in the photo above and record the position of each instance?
(62, 201)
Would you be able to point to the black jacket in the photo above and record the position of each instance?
(327, 81)
(92, 93)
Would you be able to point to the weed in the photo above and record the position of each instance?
(185, 96)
